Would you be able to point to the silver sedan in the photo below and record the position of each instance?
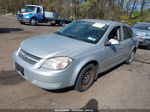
(75, 54)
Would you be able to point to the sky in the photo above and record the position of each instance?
(138, 4)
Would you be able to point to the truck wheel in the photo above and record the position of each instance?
(33, 22)
(62, 24)
(85, 78)
(131, 57)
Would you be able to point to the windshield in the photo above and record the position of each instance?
(142, 26)
(85, 31)
(30, 8)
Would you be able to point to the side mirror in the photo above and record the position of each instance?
(113, 42)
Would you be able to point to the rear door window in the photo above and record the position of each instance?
(128, 33)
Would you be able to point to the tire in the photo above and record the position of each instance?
(62, 24)
(33, 22)
(85, 78)
(131, 57)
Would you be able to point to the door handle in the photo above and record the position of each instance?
(121, 47)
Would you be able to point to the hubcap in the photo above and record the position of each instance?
(33, 21)
(86, 78)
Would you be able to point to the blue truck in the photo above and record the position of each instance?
(34, 14)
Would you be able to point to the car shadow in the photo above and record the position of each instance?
(142, 47)
(141, 61)
(8, 30)
(48, 25)
(91, 106)
(64, 90)
(38, 25)
(10, 77)
(44, 24)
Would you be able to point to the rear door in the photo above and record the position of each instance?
(127, 41)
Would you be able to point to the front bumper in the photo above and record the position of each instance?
(144, 42)
(26, 20)
(43, 78)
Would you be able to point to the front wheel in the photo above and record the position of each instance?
(62, 24)
(131, 57)
(33, 22)
(85, 78)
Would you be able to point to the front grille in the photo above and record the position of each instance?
(147, 41)
(27, 57)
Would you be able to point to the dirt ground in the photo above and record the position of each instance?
(124, 87)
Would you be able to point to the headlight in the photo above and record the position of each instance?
(57, 63)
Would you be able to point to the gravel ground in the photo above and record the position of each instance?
(123, 87)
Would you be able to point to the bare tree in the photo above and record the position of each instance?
(133, 8)
(121, 3)
(142, 6)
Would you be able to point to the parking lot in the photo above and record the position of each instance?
(123, 87)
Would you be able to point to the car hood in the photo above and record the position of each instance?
(145, 33)
(49, 45)
(138, 31)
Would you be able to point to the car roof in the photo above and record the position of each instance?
(108, 22)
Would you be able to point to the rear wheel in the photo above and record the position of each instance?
(33, 22)
(86, 78)
(131, 57)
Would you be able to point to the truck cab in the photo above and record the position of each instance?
(31, 14)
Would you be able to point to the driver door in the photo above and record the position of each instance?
(112, 53)
(39, 13)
